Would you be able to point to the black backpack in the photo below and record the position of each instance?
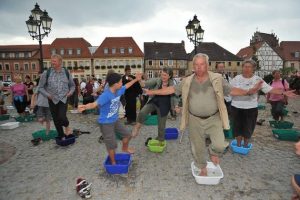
(49, 71)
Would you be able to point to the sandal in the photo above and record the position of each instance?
(83, 188)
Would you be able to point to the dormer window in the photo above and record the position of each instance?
(130, 50)
(105, 50)
(297, 54)
(113, 50)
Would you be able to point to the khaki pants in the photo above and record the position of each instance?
(199, 130)
(147, 109)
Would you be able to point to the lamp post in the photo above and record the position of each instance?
(37, 19)
(194, 32)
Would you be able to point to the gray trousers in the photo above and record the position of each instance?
(146, 110)
(199, 130)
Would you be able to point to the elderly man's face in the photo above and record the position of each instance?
(200, 66)
(55, 62)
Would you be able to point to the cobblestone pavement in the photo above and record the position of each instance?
(48, 171)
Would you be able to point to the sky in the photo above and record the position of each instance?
(229, 23)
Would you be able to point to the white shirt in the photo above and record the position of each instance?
(227, 98)
(249, 101)
(82, 85)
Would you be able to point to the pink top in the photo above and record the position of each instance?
(278, 84)
(18, 89)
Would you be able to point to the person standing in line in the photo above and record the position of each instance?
(130, 97)
(57, 85)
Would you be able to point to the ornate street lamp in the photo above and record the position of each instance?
(37, 19)
(194, 32)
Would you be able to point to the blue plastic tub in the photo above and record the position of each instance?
(240, 150)
(70, 139)
(171, 133)
(123, 162)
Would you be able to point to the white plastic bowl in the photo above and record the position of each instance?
(214, 174)
(10, 125)
(74, 111)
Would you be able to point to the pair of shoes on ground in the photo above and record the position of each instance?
(83, 188)
(36, 141)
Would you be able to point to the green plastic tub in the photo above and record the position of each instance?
(4, 117)
(261, 106)
(285, 112)
(287, 134)
(153, 146)
(26, 118)
(151, 120)
(42, 134)
(281, 124)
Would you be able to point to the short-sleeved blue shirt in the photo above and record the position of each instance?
(109, 104)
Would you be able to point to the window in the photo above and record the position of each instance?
(150, 74)
(6, 55)
(109, 62)
(229, 63)
(170, 62)
(45, 64)
(87, 63)
(33, 66)
(70, 51)
(26, 67)
(16, 66)
(62, 51)
(2, 55)
(297, 54)
(113, 50)
(21, 55)
(11, 55)
(53, 51)
(292, 64)
(238, 63)
(1, 78)
(122, 50)
(78, 51)
(64, 64)
(26, 55)
(105, 50)
(130, 50)
(161, 63)
(209, 63)
(0, 66)
(17, 55)
(69, 64)
(7, 67)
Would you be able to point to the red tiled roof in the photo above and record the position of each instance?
(288, 49)
(71, 43)
(247, 52)
(117, 43)
(21, 48)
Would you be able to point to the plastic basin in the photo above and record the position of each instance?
(151, 120)
(261, 106)
(26, 118)
(281, 124)
(285, 112)
(171, 133)
(286, 134)
(10, 125)
(240, 150)
(214, 174)
(4, 117)
(154, 146)
(70, 139)
(42, 134)
(123, 162)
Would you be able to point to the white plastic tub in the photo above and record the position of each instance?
(10, 107)
(214, 174)
(74, 111)
(10, 125)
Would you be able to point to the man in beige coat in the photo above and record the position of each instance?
(204, 110)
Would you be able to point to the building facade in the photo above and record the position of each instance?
(159, 55)
(117, 53)
(264, 48)
(19, 59)
(291, 54)
(217, 54)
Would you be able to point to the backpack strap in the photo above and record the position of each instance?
(282, 81)
(49, 71)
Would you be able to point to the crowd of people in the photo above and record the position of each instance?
(209, 101)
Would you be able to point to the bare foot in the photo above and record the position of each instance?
(215, 159)
(135, 132)
(129, 150)
(68, 131)
(203, 172)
